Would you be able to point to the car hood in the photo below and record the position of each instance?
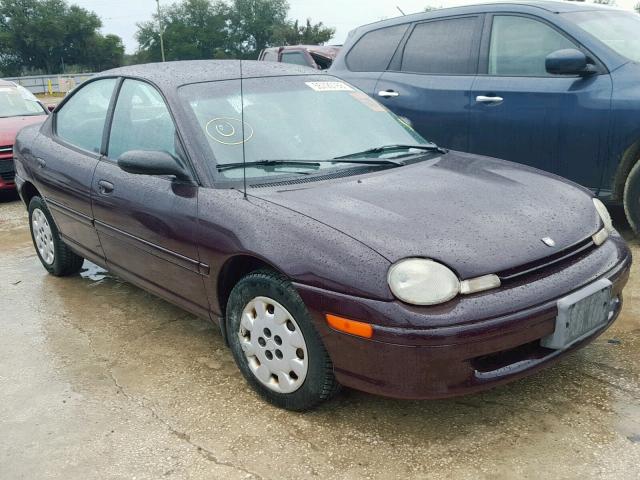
(475, 214)
(9, 127)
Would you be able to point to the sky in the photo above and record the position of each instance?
(120, 16)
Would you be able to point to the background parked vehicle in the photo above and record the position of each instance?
(548, 84)
(18, 108)
(314, 56)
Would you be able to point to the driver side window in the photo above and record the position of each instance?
(141, 121)
(520, 45)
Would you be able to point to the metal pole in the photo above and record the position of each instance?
(160, 25)
(400, 10)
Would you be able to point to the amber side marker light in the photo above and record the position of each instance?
(359, 329)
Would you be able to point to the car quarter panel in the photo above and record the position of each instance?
(305, 250)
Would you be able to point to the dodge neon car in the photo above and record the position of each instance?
(331, 243)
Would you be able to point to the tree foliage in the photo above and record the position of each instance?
(637, 7)
(45, 35)
(201, 29)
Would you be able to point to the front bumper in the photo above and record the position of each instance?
(467, 345)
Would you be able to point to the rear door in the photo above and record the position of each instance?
(369, 57)
(66, 161)
(524, 114)
(430, 78)
(147, 224)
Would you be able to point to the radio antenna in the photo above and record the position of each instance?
(244, 157)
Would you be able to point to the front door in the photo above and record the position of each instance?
(430, 80)
(66, 159)
(524, 114)
(147, 224)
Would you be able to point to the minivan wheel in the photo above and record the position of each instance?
(56, 257)
(631, 198)
(275, 345)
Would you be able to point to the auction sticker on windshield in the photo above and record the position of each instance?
(330, 86)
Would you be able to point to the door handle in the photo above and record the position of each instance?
(105, 187)
(485, 99)
(388, 94)
(41, 162)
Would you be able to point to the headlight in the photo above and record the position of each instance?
(604, 215)
(422, 282)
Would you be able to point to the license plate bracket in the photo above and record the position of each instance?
(581, 314)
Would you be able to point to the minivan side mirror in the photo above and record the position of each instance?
(145, 162)
(569, 62)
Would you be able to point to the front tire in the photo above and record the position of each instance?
(631, 198)
(56, 257)
(275, 344)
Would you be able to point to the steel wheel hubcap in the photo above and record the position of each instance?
(43, 236)
(274, 345)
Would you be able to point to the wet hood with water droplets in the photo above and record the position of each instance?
(475, 214)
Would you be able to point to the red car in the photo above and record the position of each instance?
(18, 108)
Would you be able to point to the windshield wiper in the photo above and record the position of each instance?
(390, 148)
(269, 163)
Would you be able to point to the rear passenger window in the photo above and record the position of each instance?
(373, 52)
(141, 121)
(443, 47)
(296, 58)
(519, 46)
(80, 121)
(270, 56)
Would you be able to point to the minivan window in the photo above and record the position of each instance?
(80, 121)
(296, 58)
(442, 47)
(141, 121)
(520, 46)
(620, 31)
(374, 50)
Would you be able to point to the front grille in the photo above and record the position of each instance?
(7, 170)
(6, 150)
(557, 260)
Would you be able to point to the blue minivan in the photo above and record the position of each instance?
(548, 84)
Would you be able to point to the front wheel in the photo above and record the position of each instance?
(275, 345)
(56, 257)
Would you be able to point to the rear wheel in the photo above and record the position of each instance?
(275, 344)
(56, 257)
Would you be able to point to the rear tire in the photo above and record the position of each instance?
(56, 257)
(275, 344)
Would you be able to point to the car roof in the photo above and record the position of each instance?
(174, 74)
(546, 5)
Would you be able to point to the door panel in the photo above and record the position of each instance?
(66, 158)
(522, 113)
(430, 78)
(556, 124)
(436, 105)
(147, 224)
(147, 227)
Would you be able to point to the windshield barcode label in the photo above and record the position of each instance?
(330, 86)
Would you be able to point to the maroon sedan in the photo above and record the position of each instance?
(330, 242)
(18, 108)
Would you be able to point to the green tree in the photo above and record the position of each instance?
(192, 29)
(637, 7)
(292, 33)
(255, 24)
(45, 35)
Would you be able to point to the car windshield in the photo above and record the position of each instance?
(620, 31)
(304, 118)
(17, 103)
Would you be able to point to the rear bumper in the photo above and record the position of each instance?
(417, 361)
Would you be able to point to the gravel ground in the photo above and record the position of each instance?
(101, 380)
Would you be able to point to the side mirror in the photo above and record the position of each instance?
(569, 62)
(144, 162)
